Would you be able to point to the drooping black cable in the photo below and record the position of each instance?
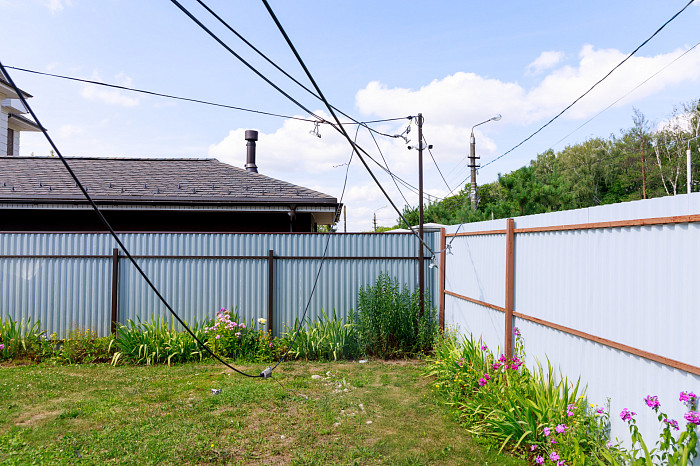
(438, 167)
(111, 230)
(320, 266)
(337, 126)
(266, 58)
(589, 90)
(393, 178)
(187, 99)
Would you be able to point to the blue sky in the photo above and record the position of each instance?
(458, 63)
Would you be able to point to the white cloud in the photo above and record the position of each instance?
(70, 131)
(58, 5)
(465, 98)
(107, 95)
(545, 61)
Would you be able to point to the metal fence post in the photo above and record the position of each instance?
(115, 290)
(270, 289)
(443, 257)
(510, 256)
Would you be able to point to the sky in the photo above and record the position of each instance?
(456, 63)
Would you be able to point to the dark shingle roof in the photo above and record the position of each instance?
(153, 181)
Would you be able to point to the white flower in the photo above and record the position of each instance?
(261, 321)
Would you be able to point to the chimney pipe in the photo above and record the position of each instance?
(251, 136)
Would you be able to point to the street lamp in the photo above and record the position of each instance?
(472, 158)
(375, 217)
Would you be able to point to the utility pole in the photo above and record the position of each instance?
(473, 157)
(375, 222)
(421, 264)
(345, 219)
(644, 171)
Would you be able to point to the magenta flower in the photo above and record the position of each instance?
(569, 413)
(554, 442)
(547, 431)
(693, 417)
(503, 358)
(482, 382)
(496, 365)
(2, 347)
(533, 447)
(561, 463)
(600, 410)
(672, 423)
(539, 460)
(487, 376)
(652, 402)
(238, 334)
(516, 331)
(561, 428)
(553, 456)
(626, 415)
(484, 347)
(460, 362)
(688, 398)
(218, 336)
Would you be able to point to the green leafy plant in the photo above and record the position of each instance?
(157, 342)
(19, 338)
(389, 322)
(534, 413)
(227, 336)
(327, 338)
(81, 346)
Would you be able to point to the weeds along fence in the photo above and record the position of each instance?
(610, 294)
(80, 280)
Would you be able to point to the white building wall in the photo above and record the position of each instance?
(16, 143)
(3, 133)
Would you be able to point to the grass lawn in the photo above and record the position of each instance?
(379, 412)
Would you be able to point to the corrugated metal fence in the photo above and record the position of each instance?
(610, 294)
(67, 279)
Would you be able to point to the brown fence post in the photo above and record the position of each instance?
(270, 288)
(115, 290)
(443, 256)
(510, 256)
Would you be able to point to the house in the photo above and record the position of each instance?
(37, 194)
(11, 120)
(154, 195)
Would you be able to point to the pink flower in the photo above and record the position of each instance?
(652, 402)
(218, 336)
(484, 347)
(600, 410)
(460, 362)
(561, 463)
(242, 325)
(626, 415)
(672, 423)
(496, 366)
(2, 347)
(270, 345)
(516, 331)
(238, 334)
(688, 398)
(554, 442)
(503, 358)
(569, 413)
(487, 376)
(539, 460)
(547, 431)
(533, 447)
(553, 456)
(609, 444)
(693, 417)
(482, 382)
(561, 428)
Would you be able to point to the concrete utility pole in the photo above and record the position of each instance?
(689, 166)
(472, 160)
(421, 265)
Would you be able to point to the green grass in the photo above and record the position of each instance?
(168, 415)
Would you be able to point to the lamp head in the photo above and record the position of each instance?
(497, 117)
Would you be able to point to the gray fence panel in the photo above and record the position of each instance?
(633, 285)
(76, 292)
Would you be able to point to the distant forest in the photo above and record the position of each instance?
(640, 163)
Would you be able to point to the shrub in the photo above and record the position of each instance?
(388, 320)
(532, 413)
(229, 337)
(326, 339)
(157, 342)
(80, 346)
(18, 338)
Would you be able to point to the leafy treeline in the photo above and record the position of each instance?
(640, 163)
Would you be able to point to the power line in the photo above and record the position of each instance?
(628, 93)
(436, 166)
(111, 230)
(589, 90)
(271, 62)
(199, 101)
